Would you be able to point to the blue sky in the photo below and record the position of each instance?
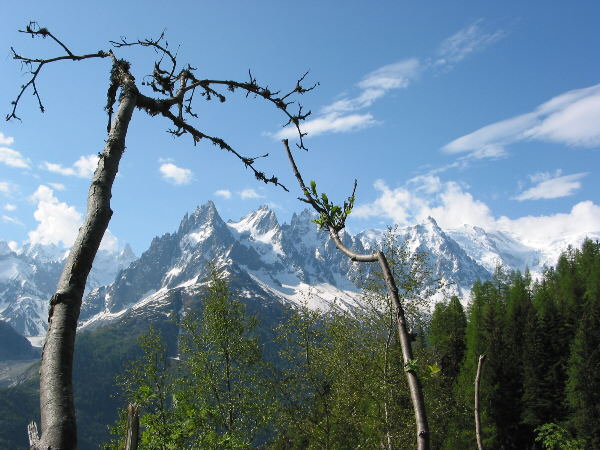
(485, 113)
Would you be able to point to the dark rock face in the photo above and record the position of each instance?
(13, 346)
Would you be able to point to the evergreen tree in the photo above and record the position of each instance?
(447, 336)
(583, 389)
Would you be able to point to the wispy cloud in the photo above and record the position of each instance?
(174, 174)
(9, 207)
(571, 118)
(330, 123)
(341, 117)
(225, 193)
(57, 186)
(550, 186)
(450, 203)
(250, 193)
(378, 83)
(84, 167)
(470, 39)
(13, 220)
(4, 187)
(13, 158)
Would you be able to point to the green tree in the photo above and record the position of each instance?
(583, 386)
(447, 336)
(214, 394)
(169, 92)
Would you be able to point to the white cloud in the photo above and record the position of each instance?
(13, 245)
(223, 193)
(426, 196)
(452, 206)
(337, 118)
(6, 140)
(539, 231)
(13, 158)
(250, 193)
(571, 118)
(330, 123)
(376, 84)
(57, 186)
(13, 220)
(10, 207)
(552, 186)
(4, 187)
(59, 222)
(84, 167)
(174, 174)
(466, 41)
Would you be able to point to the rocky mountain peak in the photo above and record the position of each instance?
(205, 215)
(256, 223)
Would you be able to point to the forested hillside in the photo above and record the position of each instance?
(237, 377)
(337, 379)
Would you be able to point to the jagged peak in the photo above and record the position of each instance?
(203, 214)
(257, 222)
(127, 253)
(5, 249)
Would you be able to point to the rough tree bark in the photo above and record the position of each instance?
(334, 225)
(175, 89)
(477, 412)
(133, 427)
(56, 388)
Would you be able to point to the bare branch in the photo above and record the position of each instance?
(331, 216)
(34, 30)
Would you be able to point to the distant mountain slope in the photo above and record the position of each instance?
(28, 278)
(266, 260)
(13, 346)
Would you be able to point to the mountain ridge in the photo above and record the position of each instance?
(271, 261)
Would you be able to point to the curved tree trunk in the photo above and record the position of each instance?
(59, 430)
(414, 385)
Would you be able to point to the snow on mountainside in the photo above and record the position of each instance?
(28, 279)
(494, 248)
(265, 261)
(288, 263)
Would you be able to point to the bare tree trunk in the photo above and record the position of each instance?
(477, 415)
(133, 427)
(414, 385)
(59, 429)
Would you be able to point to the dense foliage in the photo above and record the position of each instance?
(337, 381)
(308, 379)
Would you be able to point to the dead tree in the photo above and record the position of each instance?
(477, 408)
(133, 427)
(171, 91)
(333, 219)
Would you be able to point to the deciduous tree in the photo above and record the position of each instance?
(170, 92)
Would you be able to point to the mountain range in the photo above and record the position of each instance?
(266, 262)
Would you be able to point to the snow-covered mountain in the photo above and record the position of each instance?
(266, 262)
(28, 278)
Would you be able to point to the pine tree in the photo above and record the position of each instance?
(583, 388)
(447, 336)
